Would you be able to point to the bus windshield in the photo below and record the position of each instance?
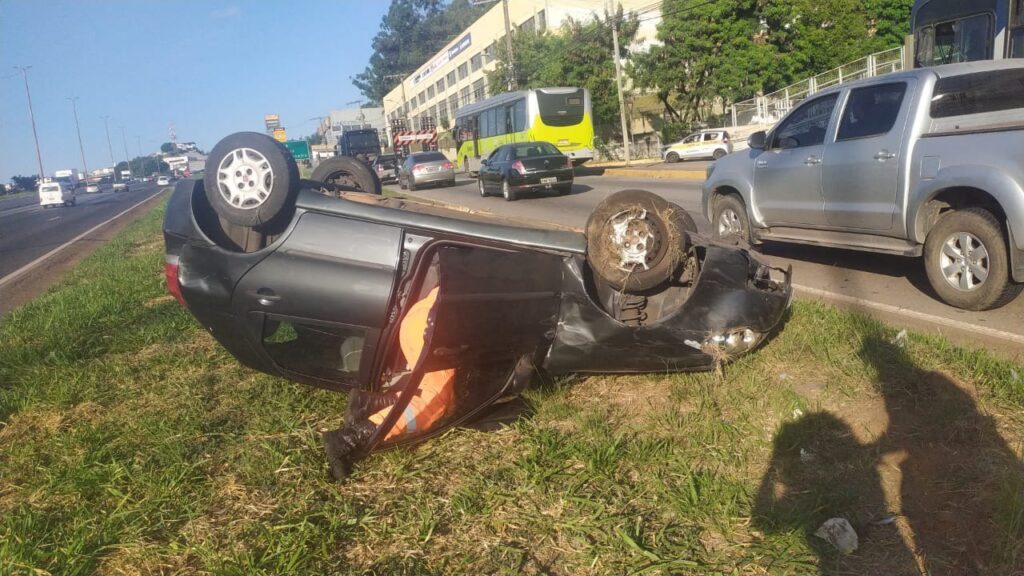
(561, 108)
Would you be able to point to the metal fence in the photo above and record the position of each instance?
(768, 109)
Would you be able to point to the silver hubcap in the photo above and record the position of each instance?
(634, 239)
(729, 224)
(505, 189)
(964, 261)
(245, 178)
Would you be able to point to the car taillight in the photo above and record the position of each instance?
(568, 162)
(448, 166)
(417, 168)
(518, 167)
(171, 274)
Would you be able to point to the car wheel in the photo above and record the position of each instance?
(564, 189)
(718, 154)
(967, 262)
(253, 180)
(729, 222)
(683, 219)
(401, 183)
(345, 174)
(635, 240)
(507, 192)
(410, 183)
(480, 185)
(672, 158)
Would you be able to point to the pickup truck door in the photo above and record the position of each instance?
(861, 169)
(787, 176)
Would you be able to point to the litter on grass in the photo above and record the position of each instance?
(839, 533)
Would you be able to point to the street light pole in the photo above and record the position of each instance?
(81, 148)
(124, 142)
(618, 78)
(32, 115)
(106, 126)
(512, 82)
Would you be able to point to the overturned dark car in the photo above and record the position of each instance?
(428, 315)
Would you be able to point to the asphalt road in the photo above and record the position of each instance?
(28, 231)
(892, 287)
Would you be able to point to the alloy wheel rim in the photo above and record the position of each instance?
(729, 224)
(245, 178)
(964, 261)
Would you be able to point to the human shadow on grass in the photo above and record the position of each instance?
(939, 492)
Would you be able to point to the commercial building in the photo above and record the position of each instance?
(457, 74)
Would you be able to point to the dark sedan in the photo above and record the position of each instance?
(427, 315)
(513, 169)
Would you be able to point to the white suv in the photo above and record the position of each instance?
(712, 144)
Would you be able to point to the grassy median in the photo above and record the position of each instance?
(131, 443)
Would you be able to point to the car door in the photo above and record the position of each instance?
(787, 176)
(689, 146)
(709, 143)
(861, 168)
(315, 307)
(494, 170)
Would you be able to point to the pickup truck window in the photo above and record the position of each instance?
(807, 125)
(976, 93)
(871, 111)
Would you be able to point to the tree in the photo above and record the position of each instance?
(167, 148)
(410, 33)
(27, 183)
(315, 138)
(579, 54)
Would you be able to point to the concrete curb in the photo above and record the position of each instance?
(690, 175)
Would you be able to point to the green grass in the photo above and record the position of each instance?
(130, 442)
(14, 195)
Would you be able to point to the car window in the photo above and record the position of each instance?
(322, 351)
(807, 125)
(431, 157)
(691, 139)
(535, 149)
(711, 136)
(989, 91)
(50, 188)
(497, 154)
(871, 111)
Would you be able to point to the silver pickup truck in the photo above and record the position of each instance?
(928, 162)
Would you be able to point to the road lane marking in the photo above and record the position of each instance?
(41, 259)
(948, 322)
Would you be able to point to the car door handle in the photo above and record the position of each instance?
(885, 155)
(812, 161)
(265, 296)
(761, 164)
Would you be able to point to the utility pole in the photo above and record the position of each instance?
(618, 77)
(124, 142)
(81, 148)
(39, 157)
(106, 126)
(512, 83)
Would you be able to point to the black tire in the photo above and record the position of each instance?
(995, 290)
(410, 184)
(345, 174)
(683, 218)
(278, 186)
(718, 154)
(507, 192)
(450, 183)
(672, 157)
(564, 189)
(729, 222)
(480, 186)
(401, 183)
(660, 224)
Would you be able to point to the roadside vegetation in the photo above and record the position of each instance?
(131, 443)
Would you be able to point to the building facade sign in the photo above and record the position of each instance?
(459, 47)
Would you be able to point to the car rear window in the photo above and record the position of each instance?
(990, 91)
(49, 188)
(534, 149)
(431, 157)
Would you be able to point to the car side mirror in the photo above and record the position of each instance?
(484, 162)
(758, 140)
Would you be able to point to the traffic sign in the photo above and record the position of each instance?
(298, 148)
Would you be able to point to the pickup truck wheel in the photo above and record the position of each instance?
(672, 158)
(635, 240)
(252, 180)
(967, 262)
(729, 222)
(345, 174)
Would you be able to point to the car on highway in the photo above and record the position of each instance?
(163, 181)
(426, 169)
(321, 289)
(92, 188)
(515, 169)
(924, 163)
(121, 186)
(386, 167)
(705, 144)
(56, 194)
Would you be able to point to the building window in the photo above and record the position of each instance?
(422, 98)
(542, 22)
(453, 103)
(440, 85)
(476, 62)
(529, 26)
(488, 54)
(451, 78)
(430, 92)
(479, 92)
(442, 112)
(463, 71)
(464, 96)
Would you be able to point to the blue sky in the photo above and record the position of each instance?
(209, 67)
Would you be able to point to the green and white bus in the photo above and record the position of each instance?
(561, 116)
